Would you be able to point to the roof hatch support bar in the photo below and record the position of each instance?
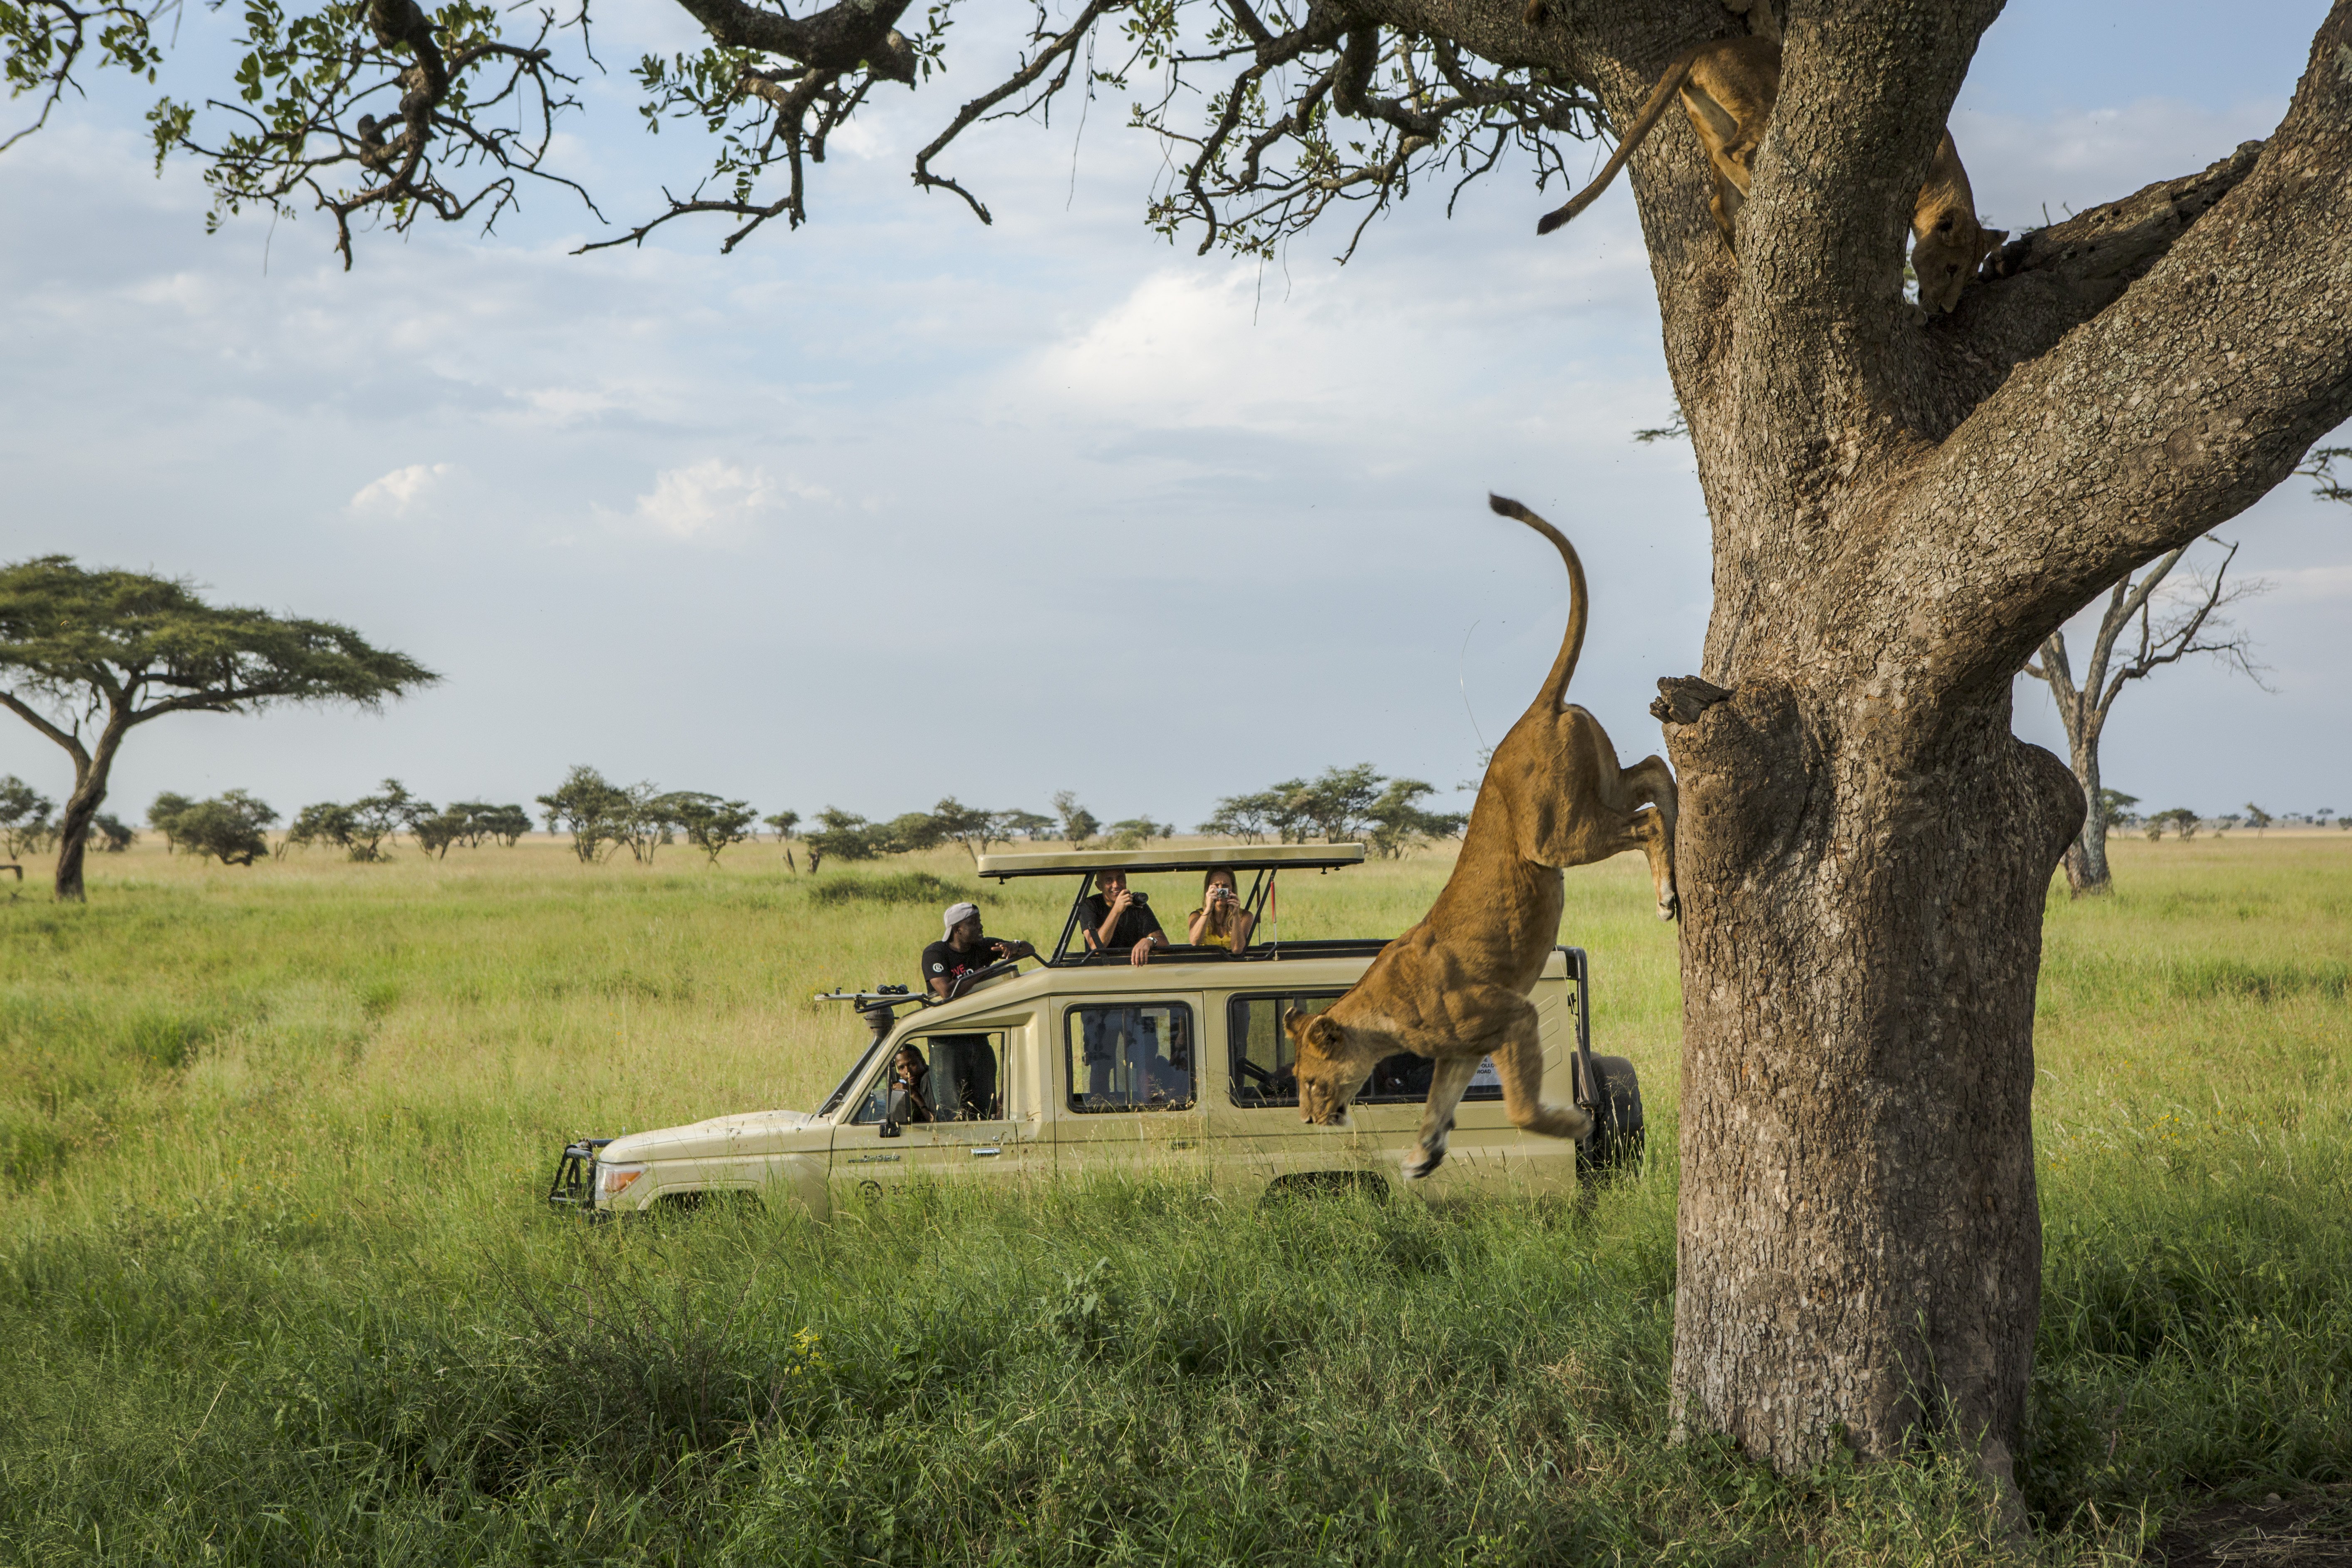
(1260, 885)
(1070, 925)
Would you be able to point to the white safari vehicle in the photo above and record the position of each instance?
(1089, 1063)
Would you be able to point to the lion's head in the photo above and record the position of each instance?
(1331, 1076)
(1946, 254)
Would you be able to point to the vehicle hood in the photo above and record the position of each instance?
(758, 1131)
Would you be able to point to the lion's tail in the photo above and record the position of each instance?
(1555, 691)
(1668, 84)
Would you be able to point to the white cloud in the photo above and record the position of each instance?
(396, 491)
(2312, 585)
(713, 500)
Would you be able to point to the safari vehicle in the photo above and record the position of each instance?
(1087, 1062)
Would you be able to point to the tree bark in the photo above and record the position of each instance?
(90, 771)
(1860, 1244)
(2097, 878)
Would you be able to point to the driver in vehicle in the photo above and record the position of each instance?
(950, 963)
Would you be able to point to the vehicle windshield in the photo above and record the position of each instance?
(848, 1082)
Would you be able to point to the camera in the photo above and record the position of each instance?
(1136, 898)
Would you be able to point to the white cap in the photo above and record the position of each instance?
(957, 914)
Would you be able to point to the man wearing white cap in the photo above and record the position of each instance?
(963, 951)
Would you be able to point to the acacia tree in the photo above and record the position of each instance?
(1901, 512)
(591, 808)
(86, 657)
(2083, 702)
(24, 816)
(711, 824)
(229, 827)
(1078, 824)
(843, 836)
(1398, 822)
(977, 830)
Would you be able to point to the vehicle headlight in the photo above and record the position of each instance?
(612, 1180)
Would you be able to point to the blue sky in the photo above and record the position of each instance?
(899, 506)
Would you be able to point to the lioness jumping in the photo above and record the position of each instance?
(1454, 988)
(1729, 88)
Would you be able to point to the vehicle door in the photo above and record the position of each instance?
(1128, 1073)
(1269, 1142)
(957, 1103)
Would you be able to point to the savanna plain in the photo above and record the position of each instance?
(277, 1286)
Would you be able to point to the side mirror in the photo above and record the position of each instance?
(890, 1130)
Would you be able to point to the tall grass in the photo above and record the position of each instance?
(274, 1286)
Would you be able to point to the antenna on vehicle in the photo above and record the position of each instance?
(1461, 679)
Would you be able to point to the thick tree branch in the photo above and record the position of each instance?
(2048, 281)
(2171, 411)
(844, 36)
(72, 743)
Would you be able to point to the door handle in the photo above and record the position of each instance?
(979, 1153)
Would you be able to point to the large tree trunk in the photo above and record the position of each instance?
(1861, 1251)
(81, 807)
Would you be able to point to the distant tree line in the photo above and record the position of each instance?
(603, 818)
(231, 827)
(1341, 805)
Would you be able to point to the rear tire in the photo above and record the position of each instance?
(1614, 1147)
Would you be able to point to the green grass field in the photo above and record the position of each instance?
(276, 1286)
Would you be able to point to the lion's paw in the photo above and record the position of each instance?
(1418, 1165)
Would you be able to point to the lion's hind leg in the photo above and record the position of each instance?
(1451, 1076)
(1518, 1062)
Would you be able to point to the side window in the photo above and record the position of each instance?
(938, 1077)
(1264, 1069)
(1133, 1057)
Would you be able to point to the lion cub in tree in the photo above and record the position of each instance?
(1454, 988)
(1727, 89)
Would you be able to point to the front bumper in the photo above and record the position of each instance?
(575, 1186)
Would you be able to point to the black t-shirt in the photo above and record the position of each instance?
(1137, 924)
(941, 961)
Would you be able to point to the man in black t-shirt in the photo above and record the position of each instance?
(963, 951)
(1118, 921)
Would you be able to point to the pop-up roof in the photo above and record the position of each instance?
(1267, 860)
(1236, 857)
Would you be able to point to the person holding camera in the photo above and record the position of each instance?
(1118, 921)
(1220, 921)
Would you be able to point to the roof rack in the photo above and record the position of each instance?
(1237, 858)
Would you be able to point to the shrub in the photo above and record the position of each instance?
(906, 887)
(227, 828)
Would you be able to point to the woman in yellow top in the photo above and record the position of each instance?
(1220, 921)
